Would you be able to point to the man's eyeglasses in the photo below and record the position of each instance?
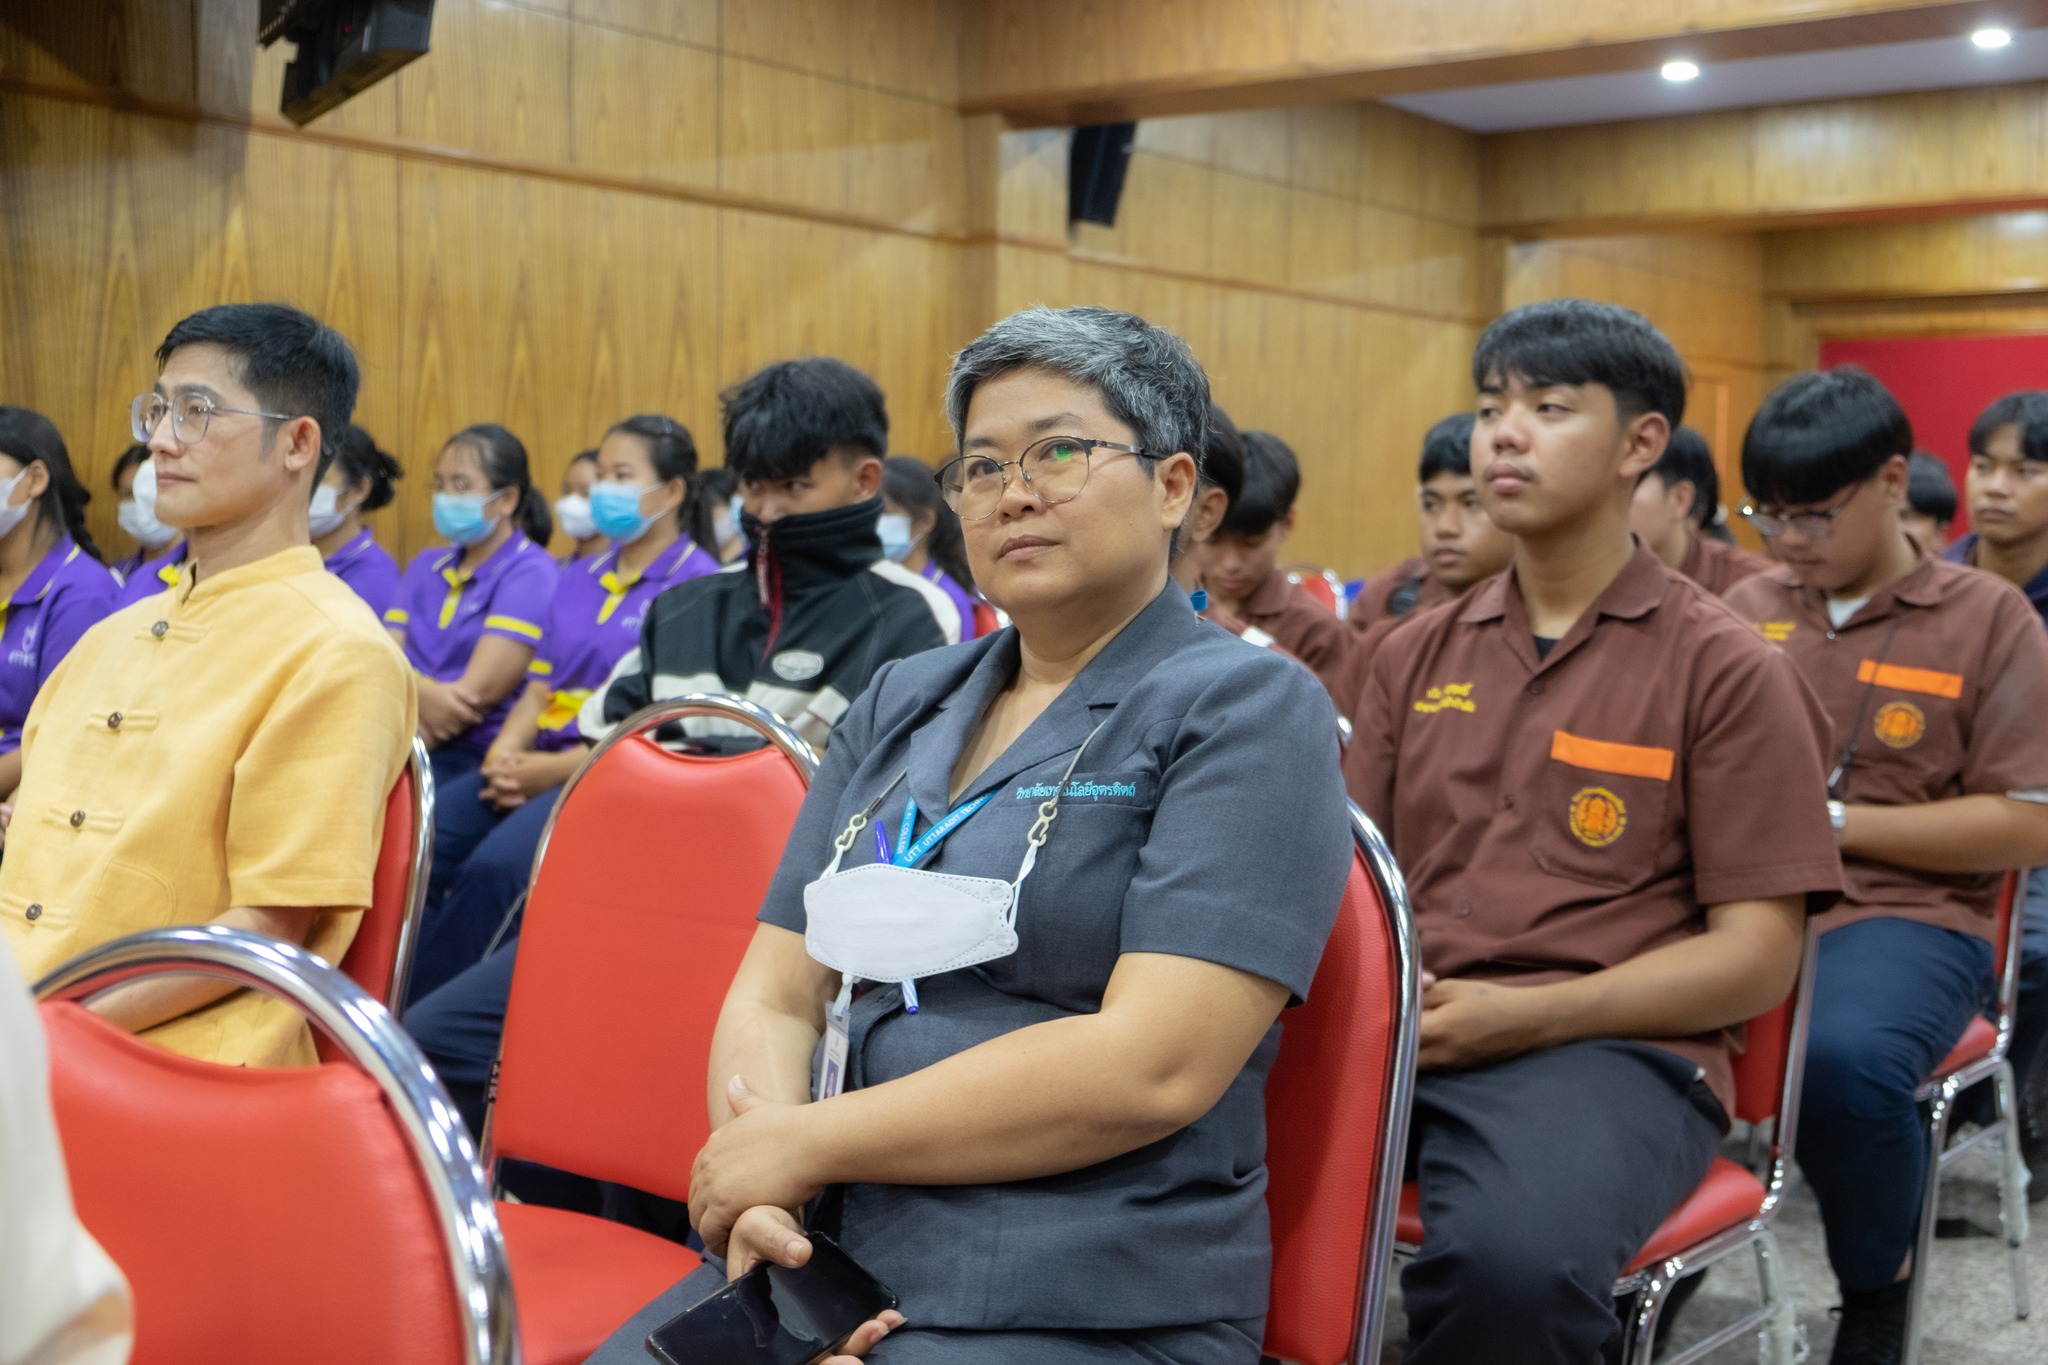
(190, 415)
(1815, 525)
(1056, 469)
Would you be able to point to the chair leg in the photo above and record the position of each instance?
(2012, 1185)
(1778, 1343)
(1639, 1340)
(1930, 1202)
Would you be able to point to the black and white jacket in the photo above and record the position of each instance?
(798, 627)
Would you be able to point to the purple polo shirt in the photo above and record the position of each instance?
(593, 623)
(153, 576)
(962, 598)
(64, 594)
(1964, 551)
(444, 613)
(367, 567)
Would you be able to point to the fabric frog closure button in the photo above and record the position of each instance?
(77, 818)
(159, 628)
(114, 721)
(33, 913)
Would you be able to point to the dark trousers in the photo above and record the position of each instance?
(482, 860)
(1215, 1343)
(459, 1027)
(2030, 1023)
(1541, 1178)
(451, 764)
(1890, 998)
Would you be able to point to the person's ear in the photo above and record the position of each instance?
(1177, 478)
(1210, 505)
(35, 480)
(1286, 528)
(300, 440)
(867, 477)
(923, 523)
(1685, 493)
(1892, 478)
(1644, 438)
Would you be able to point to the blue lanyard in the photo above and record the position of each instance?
(910, 854)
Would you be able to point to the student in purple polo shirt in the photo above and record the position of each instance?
(160, 570)
(51, 580)
(922, 534)
(152, 538)
(470, 617)
(489, 823)
(361, 479)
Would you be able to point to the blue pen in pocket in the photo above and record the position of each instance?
(881, 842)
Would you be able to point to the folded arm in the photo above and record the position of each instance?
(159, 999)
(1743, 964)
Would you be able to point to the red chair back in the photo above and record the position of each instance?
(985, 620)
(1337, 1122)
(641, 906)
(379, 958)
(1318, 585)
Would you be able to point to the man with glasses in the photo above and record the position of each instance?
(1934, 680)
(221, 752)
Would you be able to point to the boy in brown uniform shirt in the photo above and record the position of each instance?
(1674, 504)
(1459, 545)
(1240, 568)
(1565, 762)
(1935, 681)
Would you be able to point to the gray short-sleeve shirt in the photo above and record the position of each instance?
(1206, 819)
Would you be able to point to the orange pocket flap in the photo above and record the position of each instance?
(1932, 682)
(1600, 756)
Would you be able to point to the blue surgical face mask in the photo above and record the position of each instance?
(894, 529)
(460, 519)
(615, 511)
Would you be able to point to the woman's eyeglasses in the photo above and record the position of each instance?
(190, 414)
(1056, 469)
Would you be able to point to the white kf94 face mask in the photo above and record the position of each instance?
(889, 923)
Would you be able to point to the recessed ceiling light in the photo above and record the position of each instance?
(1992, 37)
(1681, 70)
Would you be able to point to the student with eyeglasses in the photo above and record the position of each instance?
(221, 752)
(471, 615)
(1934, 679)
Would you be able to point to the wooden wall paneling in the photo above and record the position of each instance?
(908, 47)
(496, 82)
(1988, 254)
(642, 105)
(143, 46)
(681, 21)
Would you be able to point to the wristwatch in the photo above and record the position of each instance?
(1837, 816)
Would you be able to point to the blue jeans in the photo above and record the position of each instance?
(1890, 998)
(451, 765)
(482, 860)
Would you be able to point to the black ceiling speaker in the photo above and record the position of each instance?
(1095, 171)
(344, 47)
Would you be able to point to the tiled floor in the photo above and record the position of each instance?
(1969, 1299)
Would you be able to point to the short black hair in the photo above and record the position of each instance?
(1818, 433)
(1222, 456)
(1686, 459)
(2026, 409)
(788, 416)
(360, 458)
(1447, 449)
(1272, 480)
(1577, 341)
(1929, 489)
(290, 361)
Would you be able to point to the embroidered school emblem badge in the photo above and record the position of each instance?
(1449, 697)
(1900, 724)
(1597, 817)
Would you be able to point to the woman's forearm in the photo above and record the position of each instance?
(522, 724)
(495, 667)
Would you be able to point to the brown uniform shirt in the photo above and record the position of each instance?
(1941, 683)
(1718, 566)
(1558, 817)
(1375, 598)
(1304, 628)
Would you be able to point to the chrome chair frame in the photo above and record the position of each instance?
(372, 1040)
(1775, 1317)
(1376, 1259)
(760, 719)
(1939, 1093)
(416, 887)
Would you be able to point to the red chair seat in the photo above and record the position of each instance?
(1977, 1041)
(579, 1278)
(1728, 1197)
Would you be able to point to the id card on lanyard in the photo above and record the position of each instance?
(831, 1079)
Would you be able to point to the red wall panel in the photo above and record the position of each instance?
(1944, 382)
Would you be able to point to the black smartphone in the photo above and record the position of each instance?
(776, 1316)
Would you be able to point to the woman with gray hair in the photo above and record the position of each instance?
(1004, 1027)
